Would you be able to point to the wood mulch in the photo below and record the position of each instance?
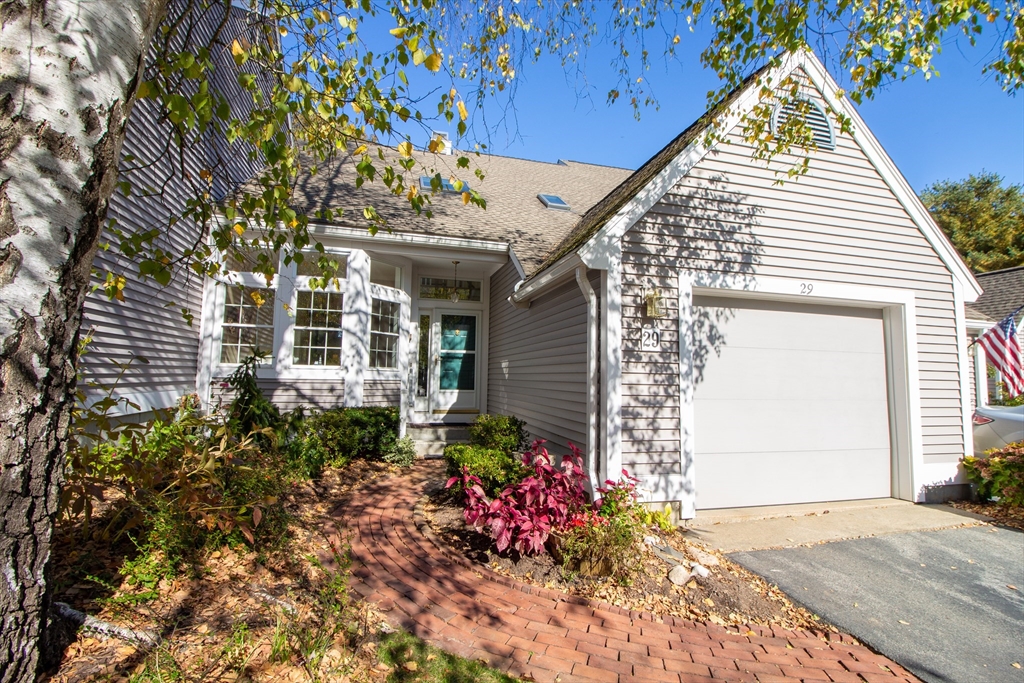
(219, 621)
(730, 595)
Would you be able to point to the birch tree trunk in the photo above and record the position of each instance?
(68, 70)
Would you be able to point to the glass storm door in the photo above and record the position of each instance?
(456, 362)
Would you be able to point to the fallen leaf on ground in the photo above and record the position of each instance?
(1011, 586)
(410, 666)
(905, 623)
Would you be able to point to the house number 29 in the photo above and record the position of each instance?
(650, 339)
(806, 287)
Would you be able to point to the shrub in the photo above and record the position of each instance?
(595, 545)
(403, 454)
(334, 437)
(499, 432)
(250, 410)
(182, 484)
(999, 474)
(523, 516)
(494, 469)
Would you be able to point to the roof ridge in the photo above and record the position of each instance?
(1001, 270)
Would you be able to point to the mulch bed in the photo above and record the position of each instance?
(1004, 515)
(218, 621)
(730, 595)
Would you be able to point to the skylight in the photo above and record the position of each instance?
(446, 184)
(553, 201)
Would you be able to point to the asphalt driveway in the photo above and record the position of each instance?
(940, 603)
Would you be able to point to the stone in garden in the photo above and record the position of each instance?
(679, 575)
(701, 557)
(701, 571)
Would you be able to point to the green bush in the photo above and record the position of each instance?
(334, 437)
(496, 469)
(999, 474)
(593, 545)
(403, 454)
(500, 432)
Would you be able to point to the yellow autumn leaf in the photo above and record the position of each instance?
(433, 62)
(405, 149)
(462, 110)
(238, 52)
(361, 149)
(675, 40)
(239, 230)
(435, 145)
(465, 198)
(413, 191)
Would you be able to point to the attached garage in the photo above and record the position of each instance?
(793, 408)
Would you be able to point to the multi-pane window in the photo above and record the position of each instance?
(384, 334)
(316, 336)
(248, 323)
(442, 288)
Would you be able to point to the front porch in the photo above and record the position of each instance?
(405, 324)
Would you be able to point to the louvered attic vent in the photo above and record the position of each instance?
(817, 119)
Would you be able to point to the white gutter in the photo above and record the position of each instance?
(527, 290)
(593, 343)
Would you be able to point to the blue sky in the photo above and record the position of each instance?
(945, 128)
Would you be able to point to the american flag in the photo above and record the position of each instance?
(1003, 348)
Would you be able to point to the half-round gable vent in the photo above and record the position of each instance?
(817, 120)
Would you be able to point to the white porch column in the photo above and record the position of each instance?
(355, 325)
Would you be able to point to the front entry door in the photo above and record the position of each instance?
(456, 363)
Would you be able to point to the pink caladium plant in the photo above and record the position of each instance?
(524, 515)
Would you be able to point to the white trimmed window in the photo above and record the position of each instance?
(384, 330)
(316, 330)
(248, 324)
(316, 334)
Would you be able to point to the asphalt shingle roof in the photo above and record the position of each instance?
(510, 186)
(1004, 291)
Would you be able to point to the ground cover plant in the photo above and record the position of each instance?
(999, 474)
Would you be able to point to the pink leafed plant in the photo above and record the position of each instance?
(524, 515)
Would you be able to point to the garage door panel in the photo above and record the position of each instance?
(791, 374)
(801, 480)
(781, 426)
(793, 408)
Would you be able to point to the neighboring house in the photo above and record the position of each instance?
(730, 340)
(1003, 293)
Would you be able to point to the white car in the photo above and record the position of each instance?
(996, 426)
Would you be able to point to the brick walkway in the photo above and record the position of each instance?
(549, 636)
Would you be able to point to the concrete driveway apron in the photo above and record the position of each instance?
(947, 604)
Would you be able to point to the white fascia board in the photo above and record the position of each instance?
(825, 84)
(978, 325)
(408, 239)
(564, 269)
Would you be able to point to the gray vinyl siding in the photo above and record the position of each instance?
(537, 360)
(382, 392)
(289, 394)
(840, 223)
(149, 322)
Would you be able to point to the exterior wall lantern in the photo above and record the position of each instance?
(653, 302)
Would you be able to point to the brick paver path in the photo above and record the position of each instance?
(539, 633)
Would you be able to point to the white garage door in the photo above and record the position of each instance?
(793, 408)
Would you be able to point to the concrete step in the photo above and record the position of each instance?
(430, 440)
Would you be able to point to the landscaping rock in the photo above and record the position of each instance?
(701, 557)
(679, 575)
(701, 571)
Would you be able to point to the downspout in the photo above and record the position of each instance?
(593, 470)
